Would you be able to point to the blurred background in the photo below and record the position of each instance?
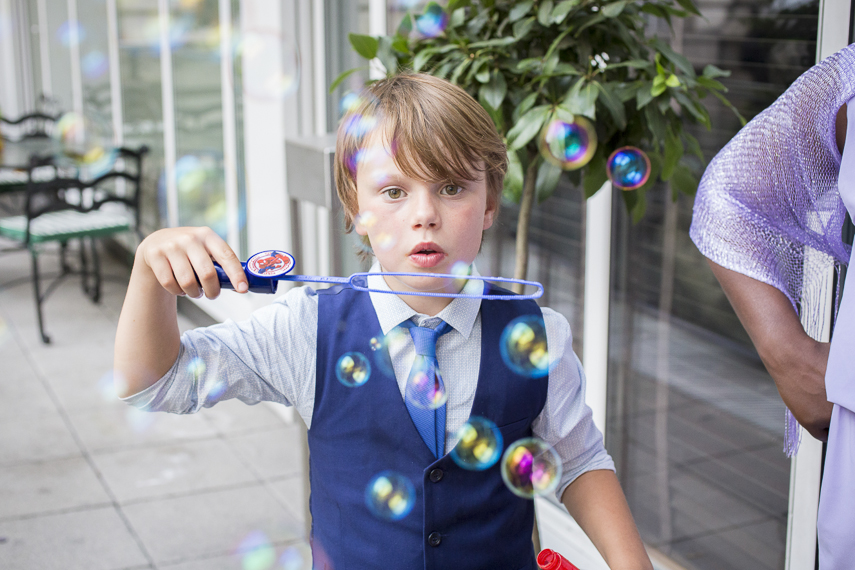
(232, 99)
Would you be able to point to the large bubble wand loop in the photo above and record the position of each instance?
(265, 269)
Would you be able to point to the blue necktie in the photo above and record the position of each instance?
(430, 423)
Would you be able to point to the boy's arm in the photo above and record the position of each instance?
(166, 265)
(597, 503)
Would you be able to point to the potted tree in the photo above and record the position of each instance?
(541, 68)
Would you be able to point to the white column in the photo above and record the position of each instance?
(74, 58)
(168, 98)
(10, 105)
(229, 126)
(44, 47)
(595, 335)
(115, 74)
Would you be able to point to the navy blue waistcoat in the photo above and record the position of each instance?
(358, 432)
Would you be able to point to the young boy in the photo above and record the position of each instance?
(419, 169)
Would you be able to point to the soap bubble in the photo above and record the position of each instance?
(376, 343)
(425, 388)
(628, 168)
(530, 467)
(215, 392)
(94, 64)
(86, 142)
(291, 559)
(432, 22)
(523, 346)
(271, 65)
(366, 219)
(479, 444)
(390, 495)
(384, 241)
(256, 552)
(353, 369)
(569, 145)
(196, 367)
(70, 33)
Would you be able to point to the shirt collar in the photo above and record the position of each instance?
(392, 310)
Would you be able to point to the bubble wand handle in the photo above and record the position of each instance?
(359, 282)
(551, 560)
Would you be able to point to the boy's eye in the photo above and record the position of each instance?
(451, 190)
(394, 193)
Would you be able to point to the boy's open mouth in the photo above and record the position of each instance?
(427, 255)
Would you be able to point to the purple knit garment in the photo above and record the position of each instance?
(773, 190)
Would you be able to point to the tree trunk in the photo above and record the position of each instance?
(526, 204)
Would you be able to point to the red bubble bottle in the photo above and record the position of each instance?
(551, 560)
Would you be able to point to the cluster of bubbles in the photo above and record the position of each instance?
(570, 145)
(530, 467)
(256, 552)
(479, 444)
(628, 168)
(390, 495)
(523, 346)
(432, 22)
(86, 142)
(353, 369)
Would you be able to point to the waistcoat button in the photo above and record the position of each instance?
(436, 475)
(434, 539)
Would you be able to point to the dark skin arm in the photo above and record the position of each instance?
(794, 360)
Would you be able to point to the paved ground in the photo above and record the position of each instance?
(88, 483)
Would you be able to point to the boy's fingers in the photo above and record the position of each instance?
(185, 276)
(225, 256)
(163, 273)
(205, 272)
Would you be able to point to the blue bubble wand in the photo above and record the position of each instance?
(265, 269)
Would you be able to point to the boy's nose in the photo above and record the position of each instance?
(426, 213)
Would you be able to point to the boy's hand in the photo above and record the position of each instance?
(176, 256)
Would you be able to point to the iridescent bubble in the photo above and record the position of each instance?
(384, 241)
(256, 552)
(432, 22)
(349, 102)
(460, 268)
(425, 388)
(375, 343)
(70, 33)
(353, 369)
(196, 367)
(479, 444)
(568, 145)
(215, 392)
(530, 467)
(94, 64)
(523, 346)
(365, 219)
(390, 495)
(628, 168)
(86, 142)
(265, 77)
(291, 559)
(190, 174)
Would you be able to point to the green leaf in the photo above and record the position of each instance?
(366, 46)
(498, 42)
(656, 124)
(658, 88)
(633, 63)
(614, 9)
(529, 64)
(595, 174)
(544, 12)
(514, 178)
(457, 17)
(711, 72)
(344, 76)
(673, 153)
(681, 62)
(459, 69)
(523, 27)
(684, 181)
(548, 176)
(672, 81)
(613, 104)
(477, 23)
(483, 73)
(711, 84)
(385, 54)
(643, 97)
(696, 109)
(689, 6)
(527, 127)
(406, 25)
(400, 45)
(562, 9)
(693, 146)
(524, 106)
(519, 10)
(581, 99)
(494, 92)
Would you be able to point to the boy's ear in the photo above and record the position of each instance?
(489, 214)
(359, 228)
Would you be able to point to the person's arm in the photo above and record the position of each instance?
(794, 360)
(596, 501)
(166, 265)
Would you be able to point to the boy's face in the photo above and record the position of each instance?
(417, 226)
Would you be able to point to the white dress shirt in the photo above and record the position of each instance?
(271, 357)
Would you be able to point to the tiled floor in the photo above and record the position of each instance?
(88, 483)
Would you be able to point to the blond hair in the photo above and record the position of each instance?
(436, 131)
